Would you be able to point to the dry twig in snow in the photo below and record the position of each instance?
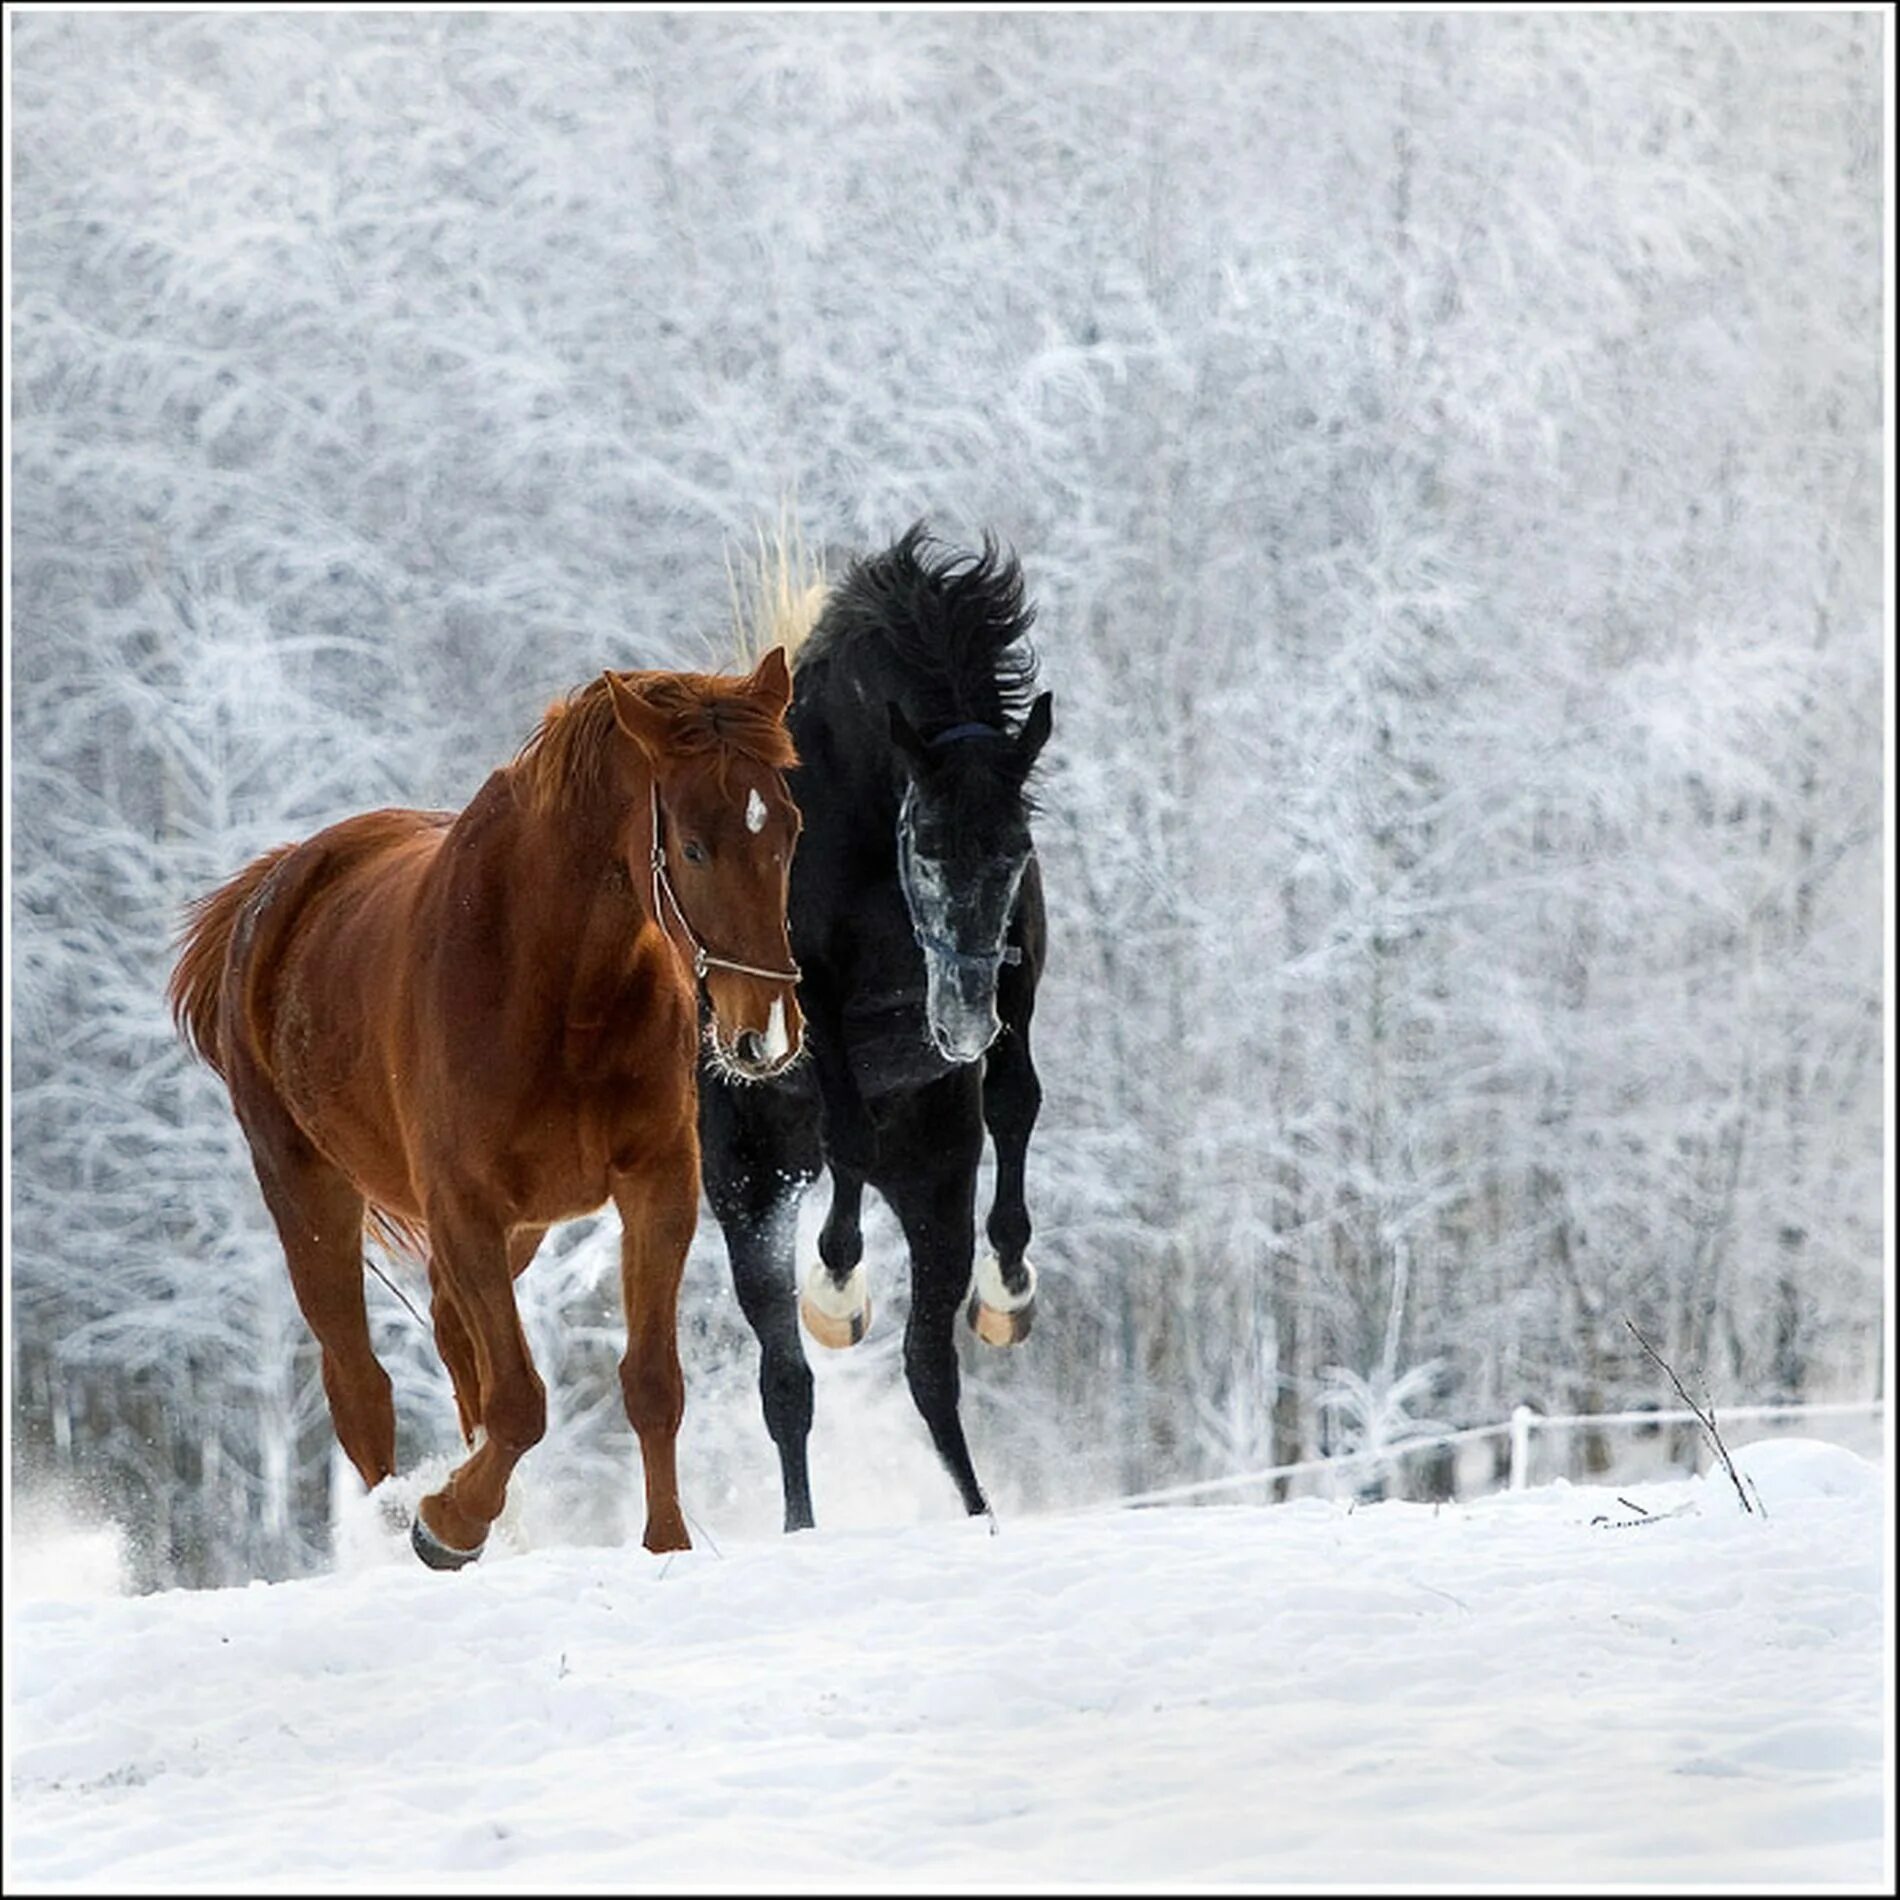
(1705, 1419)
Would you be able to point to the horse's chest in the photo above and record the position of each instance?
(614, 1117)
(584, 1144)
(888, 1042)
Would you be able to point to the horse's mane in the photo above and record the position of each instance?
(709, 720)
(948, 623)
(778, 592)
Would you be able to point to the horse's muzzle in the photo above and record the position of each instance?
(964, 1037)
(752, 1056)
(960, 1005)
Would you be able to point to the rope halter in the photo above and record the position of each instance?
(703, 959)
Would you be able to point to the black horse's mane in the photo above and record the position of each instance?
(947, 624)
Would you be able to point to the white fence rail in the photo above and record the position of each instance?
(1519, 1428)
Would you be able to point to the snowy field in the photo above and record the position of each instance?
(1510, 1691)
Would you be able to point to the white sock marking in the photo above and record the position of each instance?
(994, 1294)
(833, 1300)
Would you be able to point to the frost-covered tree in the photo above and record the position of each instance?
(1445, 451)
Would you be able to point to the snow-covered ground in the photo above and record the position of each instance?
(1533, 1687)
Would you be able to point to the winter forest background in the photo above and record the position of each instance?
(1446, 454)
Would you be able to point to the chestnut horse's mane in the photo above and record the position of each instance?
(709, 718)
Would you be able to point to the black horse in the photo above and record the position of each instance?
(917, 921)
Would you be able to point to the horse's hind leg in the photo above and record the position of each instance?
(928, 1174)
(319, 1217)
(756, 1175)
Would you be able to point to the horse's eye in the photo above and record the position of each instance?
(694, 851)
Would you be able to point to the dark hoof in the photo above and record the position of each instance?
(436, 1554)
(997, 1327)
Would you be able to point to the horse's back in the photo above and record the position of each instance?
(286, 966)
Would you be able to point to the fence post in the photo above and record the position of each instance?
(1521, 1446)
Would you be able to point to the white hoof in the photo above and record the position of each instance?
(836, 1316)
(997, 1316)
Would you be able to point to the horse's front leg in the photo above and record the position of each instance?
(850, 1136)
(469, 1248)
(1003, 1292)
(758, 1154)
(835, 1302)
(659, 1208)
(451, 1335)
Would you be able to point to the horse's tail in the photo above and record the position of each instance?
(205, 944)
(401, 1235)
(778, 592)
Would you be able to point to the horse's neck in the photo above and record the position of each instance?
(580, 910)
(856, 802)
(866, 784)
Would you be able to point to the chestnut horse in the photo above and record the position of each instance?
(467, 1027)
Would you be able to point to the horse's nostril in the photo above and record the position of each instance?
(750, 1047)
(965, 1042)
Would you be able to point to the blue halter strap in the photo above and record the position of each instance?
(969, 729)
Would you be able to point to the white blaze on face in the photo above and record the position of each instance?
(777, 1043)
(926, 875)
(754, 811)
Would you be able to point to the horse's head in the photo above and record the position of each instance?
(709, 845)
(962, 845)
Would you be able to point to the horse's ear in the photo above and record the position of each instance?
(644, 724)
(1035, 732)
(771, 680)
(904, 735)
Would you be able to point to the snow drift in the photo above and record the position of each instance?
(1560, 1684)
